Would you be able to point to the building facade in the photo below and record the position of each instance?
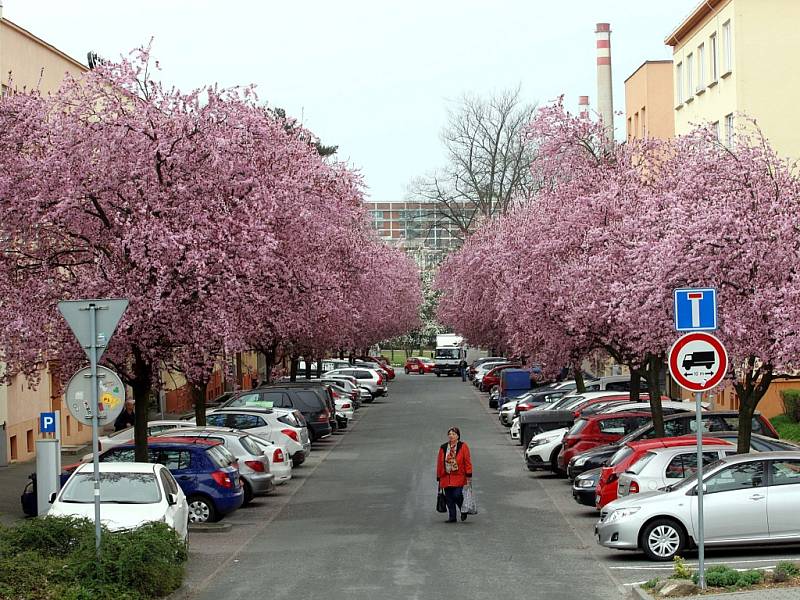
(416, 227)
(29, 63)
(648, 101)
(733, 58)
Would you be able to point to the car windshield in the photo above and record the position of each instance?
(122, 433)
(447, 353)
(115, 488)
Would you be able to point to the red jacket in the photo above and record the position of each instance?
(464, 462)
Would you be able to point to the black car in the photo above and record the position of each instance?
(308, 400)
(323, 388)
(674, 426)
(584, 487)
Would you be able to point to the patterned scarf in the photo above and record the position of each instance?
(450, 464)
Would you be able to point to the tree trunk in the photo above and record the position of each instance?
(636, 388)
(750, 392)
(307, 360)
(577, 373)
(269, 359)
(293, 368)
(141, 384)
(199, 391)
(319, 366)
(653, 375)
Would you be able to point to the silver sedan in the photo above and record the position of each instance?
(748, 499)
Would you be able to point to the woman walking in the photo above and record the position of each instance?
(454, 471)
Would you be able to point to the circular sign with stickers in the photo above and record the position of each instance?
(110, 396)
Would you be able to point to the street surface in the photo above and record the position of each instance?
(363, 524)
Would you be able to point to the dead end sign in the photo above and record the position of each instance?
(698, 361)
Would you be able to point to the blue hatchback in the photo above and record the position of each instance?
(201, 467)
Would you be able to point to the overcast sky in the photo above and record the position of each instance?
(371, 76)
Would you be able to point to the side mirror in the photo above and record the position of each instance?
(172, 499)
(52, 497)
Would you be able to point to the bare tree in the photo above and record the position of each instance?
(488, 163)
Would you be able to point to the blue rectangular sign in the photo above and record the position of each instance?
(47, 422)
(696, 309)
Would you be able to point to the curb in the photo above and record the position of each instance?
(210, 527)
(638, 593)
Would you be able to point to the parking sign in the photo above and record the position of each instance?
(696, 309)
(47, 422)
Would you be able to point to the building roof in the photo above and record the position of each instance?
(649, 62)
(697, 16)
(41, 42)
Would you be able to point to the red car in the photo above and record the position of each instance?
(599, 430)
(492, 378)
(628, 454)
(418, 364)
(384, 362)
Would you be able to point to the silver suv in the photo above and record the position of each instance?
(369, 379)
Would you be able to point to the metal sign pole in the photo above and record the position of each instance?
(95, 443)
(701, 573)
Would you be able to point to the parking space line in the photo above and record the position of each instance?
(669, 567)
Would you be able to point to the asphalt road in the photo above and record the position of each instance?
(358, 522)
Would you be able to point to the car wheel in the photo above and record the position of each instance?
(408, 370)
(201, 510)
(311, 436)
(438, 374)
(248, 493)
(662, 539)
(554, 461)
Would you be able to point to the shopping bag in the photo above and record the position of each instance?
(441, 503)
(470, 505)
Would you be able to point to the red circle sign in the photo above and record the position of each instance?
(698, 361)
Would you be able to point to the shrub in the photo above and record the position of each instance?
(679, 569)
(723, 576)
(649, 585)
(791, 404)
(749, 578)
(50, 536)
(785, 570)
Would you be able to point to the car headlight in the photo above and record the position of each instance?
(541, 441)
(622, 513)
(580, 461)
(587, 483)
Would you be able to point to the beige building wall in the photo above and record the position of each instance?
(648, 101)
(756, 42)
(27, 63)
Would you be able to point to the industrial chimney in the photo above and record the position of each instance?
(583, 103)
(605, 99)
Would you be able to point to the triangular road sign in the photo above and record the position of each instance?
(107, 312)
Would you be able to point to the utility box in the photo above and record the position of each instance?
(48, 467)
(515, 379)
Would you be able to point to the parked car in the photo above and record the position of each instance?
(661, 467)
(483, 369)
(285, 427)
(382, 362)
(254, 465)
(598, 430)
(748, 499)
(473, 367)
(418, 364)
(628, 454)
(308, 402)
(367, 378)
(212, 484)
(124, 436)
(584, 487)
(542, 450)
(492, 377)
(131, 495)
(364, 395)
(674, 425)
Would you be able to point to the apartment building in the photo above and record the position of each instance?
(27, 63)
(733, 58)
(648, 101)
(416, 227)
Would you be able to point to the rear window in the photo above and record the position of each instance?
(217, 458)
(309, 400)
(579, 425)
(640, 464)
(614, 426)
(621, 454)
(363, 375)
(249, 444)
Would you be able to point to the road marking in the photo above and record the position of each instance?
(669, 567)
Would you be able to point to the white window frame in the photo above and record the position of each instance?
(689, 75)
(729, 130)
(679, 81)
(727, 47)
(715, 126)
(713, 58)
(701, 67)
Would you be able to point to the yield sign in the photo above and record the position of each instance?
(107, 313)
(698, 361)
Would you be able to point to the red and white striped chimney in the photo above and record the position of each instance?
(605, 98)
(583, 103)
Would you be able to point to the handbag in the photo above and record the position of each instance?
(469, 506)
(441, 503)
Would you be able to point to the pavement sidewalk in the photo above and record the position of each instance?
(792, 593)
